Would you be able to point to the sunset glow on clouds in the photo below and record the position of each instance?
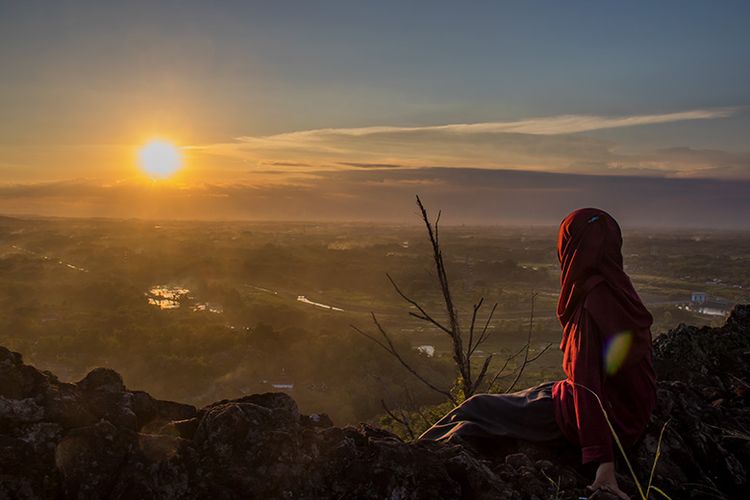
(340, 109)
(553, 144)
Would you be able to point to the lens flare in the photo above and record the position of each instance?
(616, 351)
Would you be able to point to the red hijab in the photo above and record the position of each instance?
(589, 246)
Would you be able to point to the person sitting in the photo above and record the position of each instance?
(607, 360)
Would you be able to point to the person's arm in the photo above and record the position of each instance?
(587, 375)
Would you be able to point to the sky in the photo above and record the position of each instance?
(497, 112)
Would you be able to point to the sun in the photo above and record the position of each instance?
(160, 159)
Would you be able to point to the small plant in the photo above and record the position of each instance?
(555, 484)
(643, 495)
(464, 341)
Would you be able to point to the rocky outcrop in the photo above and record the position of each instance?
(97, 439)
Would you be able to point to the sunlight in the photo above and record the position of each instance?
(160, 159)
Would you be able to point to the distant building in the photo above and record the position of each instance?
(714, 308)
(702, 303)
(698, 298)
(282, 386)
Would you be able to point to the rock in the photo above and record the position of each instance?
(64, 404)
(102, 379)
(19, 411)
(17, 380)
(316, 420)
(518, 460)
(97, 439)
(183, 428)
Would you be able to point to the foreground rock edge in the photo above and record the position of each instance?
(97, 439)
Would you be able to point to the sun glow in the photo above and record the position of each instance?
(160, 159)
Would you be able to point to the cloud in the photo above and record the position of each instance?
(369, 165)
(551, 144)
(286, 164)
(551, 125)
(466, 195)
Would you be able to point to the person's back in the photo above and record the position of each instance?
(606, 343)
(607, 360)
(607, 356)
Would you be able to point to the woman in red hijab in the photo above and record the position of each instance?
(606, 344)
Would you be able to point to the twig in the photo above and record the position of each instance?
(473, 322)
(414, 406)
(458, 354)
(462, 358)
(528, 345)
(539, 354)
(505, 365)
(482, 374)
(424, 316)
(404, 421)
(394, 352)
(484, 335)
(740, 381)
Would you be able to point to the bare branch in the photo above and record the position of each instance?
(394, 352)
(539, 355)
(458, 351)
(371, 338)
(424, 316)
(484, 335)
(505, 365)
(437, 221)
(469, 349)
(414, 406)
(403, 420)
(528, 345)
(482, 374)
(440, 268)
(462, 358)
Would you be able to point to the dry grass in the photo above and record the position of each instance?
(644, 495)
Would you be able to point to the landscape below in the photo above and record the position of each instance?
(98, 439)
(199, 312)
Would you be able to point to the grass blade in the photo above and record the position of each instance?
(656, 458)
(659, 491)
(617, 440)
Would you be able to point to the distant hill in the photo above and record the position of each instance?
(98, 439)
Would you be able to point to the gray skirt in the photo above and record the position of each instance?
(527, 415)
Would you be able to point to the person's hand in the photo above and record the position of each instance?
(605, 480)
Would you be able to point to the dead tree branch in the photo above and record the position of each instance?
(415, 406)
(391, 348)
(403, 419)
(526, 359)
(461, 352)
(423, 314)
(482, 336)
(510, 358)
(455, 330)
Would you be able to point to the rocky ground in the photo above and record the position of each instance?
(97, 439)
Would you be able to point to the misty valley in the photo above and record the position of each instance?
(198, 311)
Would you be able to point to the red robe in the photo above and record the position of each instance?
(606, 340)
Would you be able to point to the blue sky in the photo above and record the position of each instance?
(248, 87)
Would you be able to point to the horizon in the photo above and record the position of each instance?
(471, 200)
(375, 223)
(336, 112)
